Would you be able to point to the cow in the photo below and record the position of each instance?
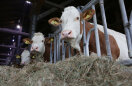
(72, 30)
(25, 57)
(43, 43)
(38, 43)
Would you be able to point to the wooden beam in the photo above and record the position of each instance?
(6, 30)
(40, 16)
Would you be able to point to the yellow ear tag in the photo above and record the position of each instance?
(33, 57)
(27, 42)
(17, 56)
(52, 39)
(54, 23)
(88, 16)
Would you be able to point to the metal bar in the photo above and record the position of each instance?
(63, 50)
(101, 2)
(88, 5)
(87, 42)
(59, 46)
(84, 39)
(13, 54)
(33, 25)
(58, 30)
(7, 46)
(54, 49)
(96, 33)
(130, 25)
(130, 20)
(10, 46)
(53, 4)
(52, 10)
(51, 53)
(18, 42)
(2, 59)
(4, 54)
(125, 24)
(6, 30)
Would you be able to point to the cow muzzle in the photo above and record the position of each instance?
(66, 34)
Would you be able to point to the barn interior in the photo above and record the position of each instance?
(16, 18)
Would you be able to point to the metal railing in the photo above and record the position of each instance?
(57, 54)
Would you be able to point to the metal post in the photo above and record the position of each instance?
(101, 2)
(51, 59)
(125, 24)
(57, 40)
(63, 50)
(19, 38)
(59, 37)
(84, 40)
(96, 33)
(32, 28)
(87, 43)
(88, 5)
(55, 49)
(130, 25)
(33, 25)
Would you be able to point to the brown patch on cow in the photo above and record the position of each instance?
(47, 50)
(92, 44)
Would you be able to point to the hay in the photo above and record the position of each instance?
(76, 71)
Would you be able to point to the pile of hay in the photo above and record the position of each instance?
(76, 71)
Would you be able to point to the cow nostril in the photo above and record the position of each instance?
(36, 47)
(69, 33)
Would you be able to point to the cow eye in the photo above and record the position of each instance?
(60, 21)
(42, 40)
(77, 18)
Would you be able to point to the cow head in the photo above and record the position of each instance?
(71, 24)
(38, 43)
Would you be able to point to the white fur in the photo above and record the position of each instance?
(37, 42)
(25, 57)
(121, 41)
(68, 23)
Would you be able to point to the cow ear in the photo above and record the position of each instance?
(88, 14)
(54, 21)
(27, 41)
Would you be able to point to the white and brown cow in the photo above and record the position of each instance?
(72, 32)
(41, 44)
(38, 43)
